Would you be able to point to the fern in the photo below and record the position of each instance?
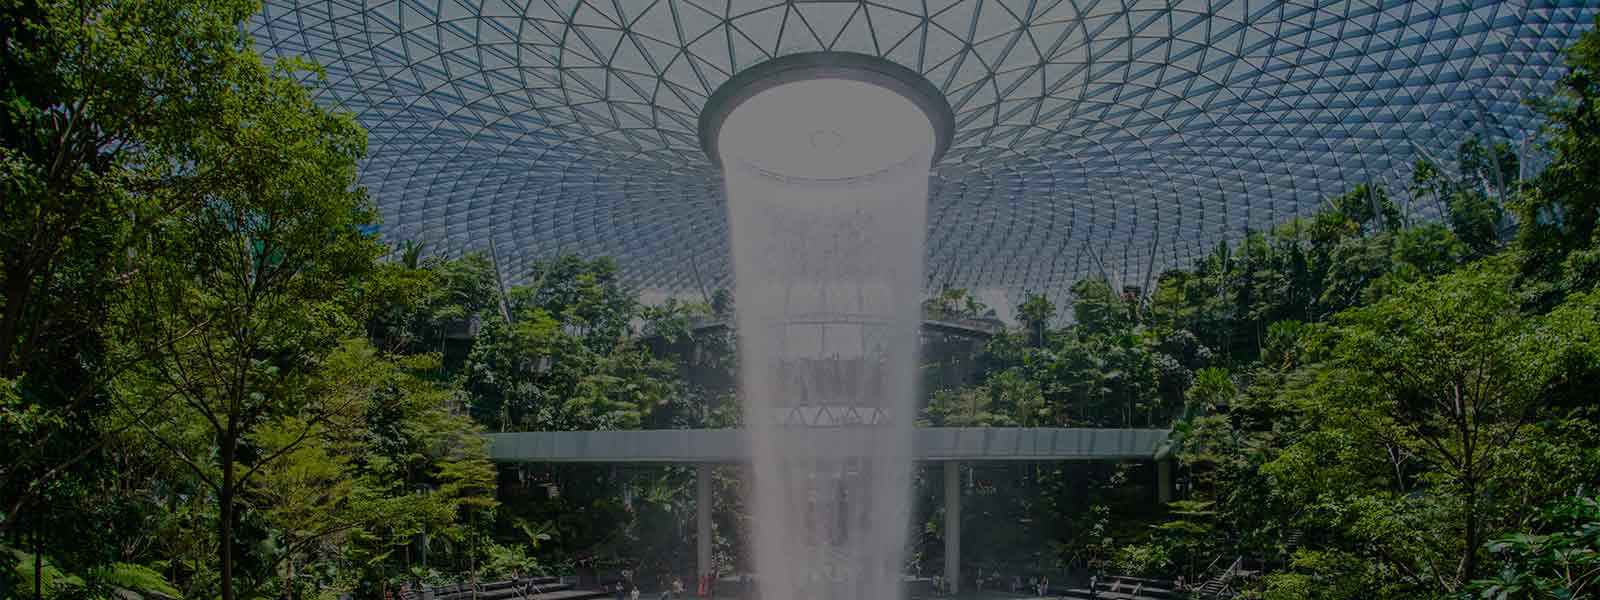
(138, 578)
(124, 576)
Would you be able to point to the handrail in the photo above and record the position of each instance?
(534, 585)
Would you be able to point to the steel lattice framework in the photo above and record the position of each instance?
(1093, 136)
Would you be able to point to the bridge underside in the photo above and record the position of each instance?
(949, 445)
(727, 445)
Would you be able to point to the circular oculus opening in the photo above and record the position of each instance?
(825, 116)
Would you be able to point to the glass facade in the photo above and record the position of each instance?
(1091, 137)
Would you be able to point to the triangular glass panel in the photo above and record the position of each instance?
(856, 35)
(656, 22)
(827, 20)
(890, 27)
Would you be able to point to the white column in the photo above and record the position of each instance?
(702, 518)
(952, 524)
(1164, 480)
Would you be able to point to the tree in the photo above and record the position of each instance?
(414, 305)
(238, 301)
(954, 304)
(98, 101)
(1096, 308)
(1559, 212)
(566, 360)
(586, 296)
(400, 463)
(1036, 312)
(1010, 399)
(1425, 406)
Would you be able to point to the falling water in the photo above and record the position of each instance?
(827, 184)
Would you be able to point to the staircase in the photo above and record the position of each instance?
(1291, 541)
(1221, 584)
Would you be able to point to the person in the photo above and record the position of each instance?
(620, 590)
(635, 594)
(677, 587)
(1044, 586)
(1094, 589)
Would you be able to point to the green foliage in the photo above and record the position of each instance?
(505, 562)
(1035, 313)
(1357, 404)
(28, 573)
(1009, 399)
(564, 363)
(1098, 309)
(114, 578)
(1328, 575)
(239, 299)
(1558, 213)
(413, 305)
(394, 463)
(136, 578)
(1563, 562)
(97, 103)
(1420, 432)
(953, 304)
(1142, 560)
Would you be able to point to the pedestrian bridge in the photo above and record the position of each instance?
(950, 446)
(728, 445)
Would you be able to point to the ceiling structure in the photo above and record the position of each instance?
(1093, 137)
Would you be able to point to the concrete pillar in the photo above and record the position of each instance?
(952, 524)
(702, 519)
(1164, 480)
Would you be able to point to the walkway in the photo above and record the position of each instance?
(948, 445)
(727, 445)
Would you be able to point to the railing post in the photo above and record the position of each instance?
(952, 524)
(702, 519)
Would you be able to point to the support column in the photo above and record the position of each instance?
(702, 519)
(1164, 480)
(952, 524)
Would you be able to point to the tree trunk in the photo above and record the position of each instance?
(38, 565)
(1469, 557)
(225, 514)
(288, 580)
(18, 286)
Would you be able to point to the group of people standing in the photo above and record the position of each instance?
(706, 587)
(1039, 586)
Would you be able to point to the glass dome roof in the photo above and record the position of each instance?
(1112, 138)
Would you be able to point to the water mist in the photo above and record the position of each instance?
(827, 183)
